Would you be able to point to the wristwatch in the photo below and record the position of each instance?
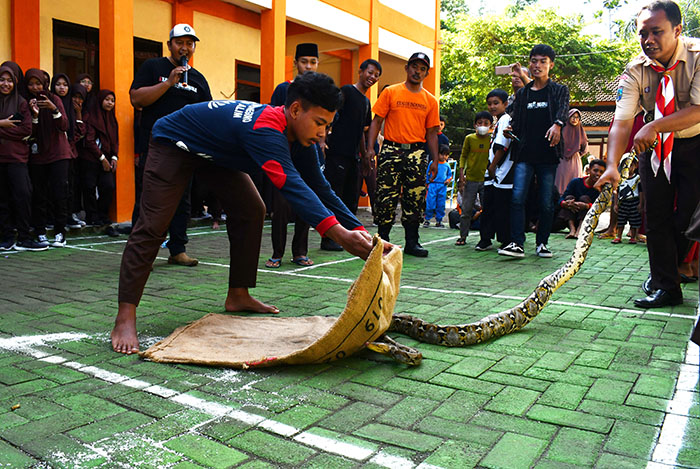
(559, 123)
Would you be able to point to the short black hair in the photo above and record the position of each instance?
(597, 162)
(498, 93)
(368, 62)
(444, 149)
(443, 118)
(483, 115)
(543, 49)
(315, 89)
(673, 12)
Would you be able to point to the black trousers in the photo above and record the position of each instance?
(282, 214)
(95, 180)
(50, 183)
(15, 201)
(178, 225)
(342, 174)
(669, 207)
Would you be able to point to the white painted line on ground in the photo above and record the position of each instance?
(215, 409)
(338, 447)
(355, 258)
(675, 424)
(295, 273)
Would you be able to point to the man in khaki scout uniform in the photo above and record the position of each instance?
(664, 83)
(411, 116)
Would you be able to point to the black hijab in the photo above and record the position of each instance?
(9, 104)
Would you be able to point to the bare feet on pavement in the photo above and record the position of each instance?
(238, 299)
(124, 339)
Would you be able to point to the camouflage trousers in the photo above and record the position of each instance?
(400, 174)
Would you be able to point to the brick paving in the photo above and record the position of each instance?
(591, 382)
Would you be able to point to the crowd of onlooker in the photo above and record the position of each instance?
(59, 143)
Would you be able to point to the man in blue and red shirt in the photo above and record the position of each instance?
(225, 140)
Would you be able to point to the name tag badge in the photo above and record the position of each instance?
(647, 89)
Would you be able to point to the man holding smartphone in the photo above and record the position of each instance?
(540, 111)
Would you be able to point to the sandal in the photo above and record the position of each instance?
(303, 261)
(273, 263)
(633, 241)
(460, 242)
(616, 241)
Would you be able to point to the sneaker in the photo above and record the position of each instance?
(7, 245)
(74, 222)
(542, 251)
(59, 241)
(31, 245)
(439, 225)
(480, 246)
(43, 240)
(426, 224)
(512, 250)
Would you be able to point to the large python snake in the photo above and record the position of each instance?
(505, 322)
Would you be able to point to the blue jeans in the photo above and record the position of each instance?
(521, 184)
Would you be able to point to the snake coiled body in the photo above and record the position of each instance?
(513, 319)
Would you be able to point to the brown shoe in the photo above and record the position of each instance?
(183, 259)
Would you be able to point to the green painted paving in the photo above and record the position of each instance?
(591, 382)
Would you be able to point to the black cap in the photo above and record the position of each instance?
(306, 49)
(420, 56)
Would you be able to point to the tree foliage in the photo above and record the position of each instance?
(474, 45)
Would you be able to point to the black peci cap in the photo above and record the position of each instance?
(306, 49)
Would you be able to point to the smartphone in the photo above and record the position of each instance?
(502, 69)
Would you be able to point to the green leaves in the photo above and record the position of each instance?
(473, 46)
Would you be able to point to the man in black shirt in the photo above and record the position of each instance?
(305, 60)
(540, 110)
(347, 140)
(159, 89)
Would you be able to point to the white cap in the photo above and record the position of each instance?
(183, 29)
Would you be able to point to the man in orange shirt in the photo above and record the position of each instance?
(411, 118)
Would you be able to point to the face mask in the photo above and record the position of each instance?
(482, 130)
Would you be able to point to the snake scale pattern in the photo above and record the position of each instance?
(505, 322)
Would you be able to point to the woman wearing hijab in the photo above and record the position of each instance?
(61, 87)
(88, 83)
(575, 144)
(99, 160)
(17, 70)
(15, 186)
(50, 157)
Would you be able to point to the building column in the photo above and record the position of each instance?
(432, 82)
(273, 38)
(371, 50)
(346, 70)
(117, 73)
(26, 43)
(183, 13)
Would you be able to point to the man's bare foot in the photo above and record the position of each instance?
(124, 338)
(238, 299)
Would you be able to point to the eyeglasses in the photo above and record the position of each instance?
(85, 81)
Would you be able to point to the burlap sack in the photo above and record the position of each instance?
(245, 342)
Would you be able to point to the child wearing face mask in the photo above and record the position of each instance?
(472, 168)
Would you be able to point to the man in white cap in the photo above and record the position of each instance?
(160, 88)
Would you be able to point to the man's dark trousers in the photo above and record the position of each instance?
(668, 208)
(178, 225)
(342, 173)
